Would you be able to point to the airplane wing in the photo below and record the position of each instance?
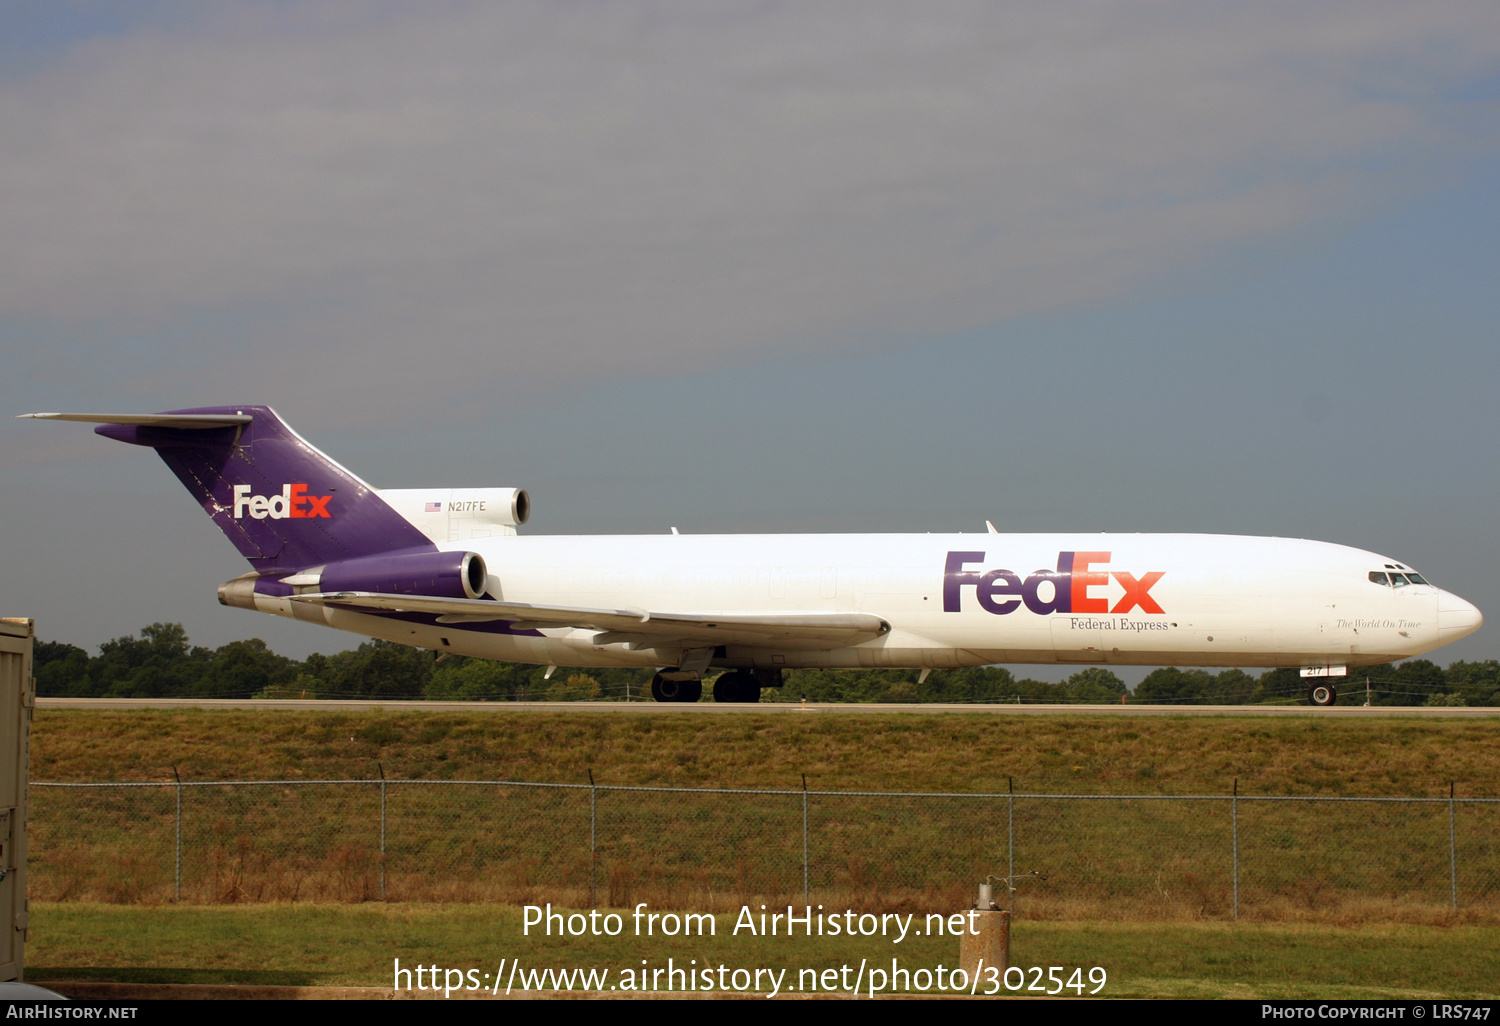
(632, 626)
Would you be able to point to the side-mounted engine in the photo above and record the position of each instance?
(459, 575)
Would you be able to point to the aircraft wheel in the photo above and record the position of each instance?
(737, 686)
(667, 690)
(691, 690)
(729, 687)
(1323, 694)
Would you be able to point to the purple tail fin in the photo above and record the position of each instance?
(283, 503)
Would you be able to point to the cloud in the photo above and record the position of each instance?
(466, 202)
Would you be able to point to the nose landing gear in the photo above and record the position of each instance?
(1322, 694)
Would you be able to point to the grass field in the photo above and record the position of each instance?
(970, 753)
(1105, 859)
(313, 945)
(1154, 914)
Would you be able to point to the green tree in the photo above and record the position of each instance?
(61, 670)
(1169, 685)
(378, 669)
(475, 680)
(244, 668)
(971, 684)
(158, 664)
(578, 687)
(1284, 684)
(1478, 683)
(1092, 684)
(1417, 680)
(1233, 687)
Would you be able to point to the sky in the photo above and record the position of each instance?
(755, 267)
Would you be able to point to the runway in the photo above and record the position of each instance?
(772, 708)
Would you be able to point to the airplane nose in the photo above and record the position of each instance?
(1456, 618)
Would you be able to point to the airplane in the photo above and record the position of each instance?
(446, 569)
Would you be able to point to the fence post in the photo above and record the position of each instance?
(593, 841)
(1010, 837)
(806, 884)
(177, 877)
(382, 830)
(1452, 850)
(1234, 842)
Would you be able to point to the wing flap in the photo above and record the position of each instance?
(800, 629)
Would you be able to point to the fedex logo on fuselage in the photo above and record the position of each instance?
(293, 502)
(1064, 590)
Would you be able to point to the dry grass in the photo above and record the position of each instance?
(968, 753)
(1334, 863)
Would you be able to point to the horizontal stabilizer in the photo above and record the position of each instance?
(188, 421)
(801, 630)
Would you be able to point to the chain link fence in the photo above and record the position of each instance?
(1148, 857)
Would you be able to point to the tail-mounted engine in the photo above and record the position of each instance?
(459, 575)
(460, 514)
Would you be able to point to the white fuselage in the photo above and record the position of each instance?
(445, 569)
(1184, 600)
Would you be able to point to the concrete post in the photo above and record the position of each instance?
(992, 944)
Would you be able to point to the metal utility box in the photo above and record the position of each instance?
(17, 700)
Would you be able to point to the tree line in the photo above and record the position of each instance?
(162, 663)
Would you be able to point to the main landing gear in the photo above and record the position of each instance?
(737, 686)
(1322, 694)
(731, 686)
(665, 690)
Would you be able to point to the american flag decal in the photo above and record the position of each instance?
(433, 507)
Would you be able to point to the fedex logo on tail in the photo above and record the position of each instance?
(1064, 590)
(293, 502)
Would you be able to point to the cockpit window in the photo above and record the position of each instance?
(1391, 579)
